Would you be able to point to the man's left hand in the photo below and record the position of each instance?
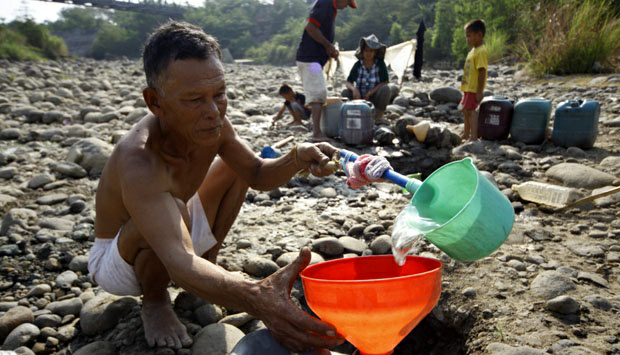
(479, 97)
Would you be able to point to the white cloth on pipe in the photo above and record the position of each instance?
(398, 57)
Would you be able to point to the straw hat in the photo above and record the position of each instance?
(373, 42)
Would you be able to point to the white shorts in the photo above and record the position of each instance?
(118, 277)
(313, 81)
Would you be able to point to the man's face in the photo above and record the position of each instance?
(192, 98)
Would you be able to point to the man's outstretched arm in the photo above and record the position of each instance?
(158, 219)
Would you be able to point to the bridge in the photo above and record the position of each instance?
(150, 7)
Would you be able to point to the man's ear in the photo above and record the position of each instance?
(151, 97)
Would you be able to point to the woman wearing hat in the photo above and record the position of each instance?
(368, 78)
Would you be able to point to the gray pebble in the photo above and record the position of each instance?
(62, 308)
(21, 335)
(599, 302)
(563, 304)
(328, 245)
(259, 266)
(381, 245)
(353, 245)
(66, 279)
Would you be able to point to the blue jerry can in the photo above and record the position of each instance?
(576, 123)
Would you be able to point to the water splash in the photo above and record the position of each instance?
(409, 229)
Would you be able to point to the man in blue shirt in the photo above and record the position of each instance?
(315, 48)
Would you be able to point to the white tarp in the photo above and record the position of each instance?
(399, 57)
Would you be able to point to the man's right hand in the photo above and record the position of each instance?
(356, 94)
(292, 327)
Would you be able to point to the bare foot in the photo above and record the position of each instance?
(162, 328)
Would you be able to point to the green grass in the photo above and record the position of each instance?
(13, 46)
(16, 51)
(500, 331)
(29, 41)
(575, 37)
(496, 45)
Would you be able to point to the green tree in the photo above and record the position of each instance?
(443, 30)
(78, 18)
(14, 45)
(111, 41)
(396, 34)
(281, 48)
(508, 17)
(38, 36)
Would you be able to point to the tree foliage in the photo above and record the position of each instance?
(269, 31)
(27, 40)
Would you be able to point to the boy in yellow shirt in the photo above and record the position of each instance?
(474, 77)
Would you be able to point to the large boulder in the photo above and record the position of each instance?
(19, 216)
(551, 284)
(216, 339)
(446, 94)
(104, 312)
(580, 176)
(13, 318)
(91, 154)
(23, 334)
(97, 348)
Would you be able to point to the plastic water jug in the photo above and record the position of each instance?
(330, 117)
(547, 194)
(357, 122)
(494, 118)
(576, 123)
(530, 120)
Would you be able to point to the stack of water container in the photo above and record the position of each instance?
(575, 123)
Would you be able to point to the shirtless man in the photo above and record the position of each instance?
(165, 202)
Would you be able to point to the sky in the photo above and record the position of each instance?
(42, 11)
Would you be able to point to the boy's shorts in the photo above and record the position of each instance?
(469, 101)
(313, 80)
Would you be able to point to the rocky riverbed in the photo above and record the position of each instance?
(553, 287)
